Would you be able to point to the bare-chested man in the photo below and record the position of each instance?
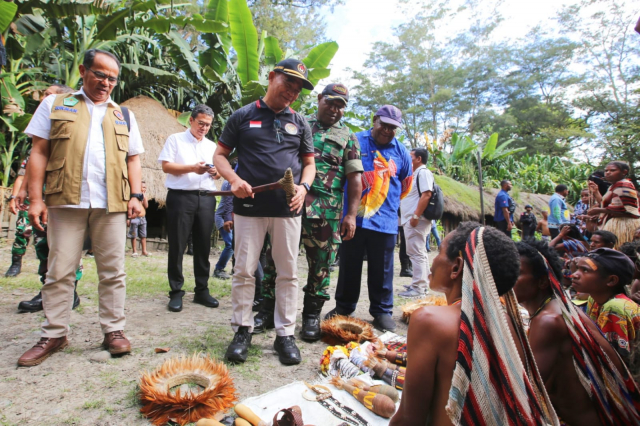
(432, 394)
(543, 227)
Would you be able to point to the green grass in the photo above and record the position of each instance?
(461, 192)
(92, 405)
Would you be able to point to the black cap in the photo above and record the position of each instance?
(336, 91)
(295, 68)
(614, 262)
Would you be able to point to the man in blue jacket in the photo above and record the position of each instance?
(558, 215)
(386, 180)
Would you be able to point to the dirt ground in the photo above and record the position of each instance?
(84, 385)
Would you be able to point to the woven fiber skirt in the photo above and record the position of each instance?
(623, 228)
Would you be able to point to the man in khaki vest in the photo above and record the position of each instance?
(86, 153)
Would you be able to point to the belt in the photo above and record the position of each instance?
(195, 191)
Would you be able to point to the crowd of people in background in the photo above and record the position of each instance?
(570, 354)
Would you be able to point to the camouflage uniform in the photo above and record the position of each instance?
(337, 153)
(23, 226)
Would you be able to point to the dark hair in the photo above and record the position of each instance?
(574, 232)
(503, 182)
(532, 250)
(608, 237)
(502, 254)
(62, 88)
(584, 189)
(561, 188)
(422, 153)
(598, 178)
(90, 56)
(201, 109)
(622, 165)
(631, 249)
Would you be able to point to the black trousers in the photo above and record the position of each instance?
(405, 260)
(502, 226)
(187, 212)
(379, 249)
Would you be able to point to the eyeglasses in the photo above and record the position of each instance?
(203, 123)
(278, 127)
(100, 76)
(388, 127)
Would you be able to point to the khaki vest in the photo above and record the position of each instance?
(69, 136)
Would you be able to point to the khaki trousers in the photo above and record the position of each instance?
(416, 239)
(285, 245)
(66, 232)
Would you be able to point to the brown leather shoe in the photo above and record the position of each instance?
(116, 343)
(42, 350)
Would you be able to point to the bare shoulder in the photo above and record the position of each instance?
(551, 324)
(440, 322)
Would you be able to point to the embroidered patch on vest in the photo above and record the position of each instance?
(70, 101)
(291, 129)
(122, 123)
(118, 115)
(64, 108)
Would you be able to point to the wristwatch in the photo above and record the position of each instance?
(306, 186)
(415, 216)
(140, 196)
(11, 197)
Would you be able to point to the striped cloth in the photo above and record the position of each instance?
(617, 400)
(491, 385)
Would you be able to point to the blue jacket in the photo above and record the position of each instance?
(557, 211)
(386, 179)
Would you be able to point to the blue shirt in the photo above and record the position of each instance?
(557, 211)
(502, 200)
(225, 208)
(386, 180)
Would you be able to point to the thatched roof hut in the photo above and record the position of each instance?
(156, 125)
(462, 202)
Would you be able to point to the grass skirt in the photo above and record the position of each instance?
(623, 228)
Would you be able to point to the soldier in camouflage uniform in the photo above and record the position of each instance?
(23, 227)
(337, 156)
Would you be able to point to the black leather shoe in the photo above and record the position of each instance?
(206, 300)
(238, 349)
(16, 266)
(264, 319)
(384, 323)
(310, 331)
(175, 304)
(336, 311)
(288, 352)
(33, 305)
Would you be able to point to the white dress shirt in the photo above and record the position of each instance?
(184, 148)
(94, 187)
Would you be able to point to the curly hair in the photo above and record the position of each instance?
(504, 260)
(631, 249)
(531, 250)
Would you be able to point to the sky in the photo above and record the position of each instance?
(357, 24)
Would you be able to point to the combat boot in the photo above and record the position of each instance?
(406, 270)
(264, 319)
(310, 331)
(16, 266)
(33, 305)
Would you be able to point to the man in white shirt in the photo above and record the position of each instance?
(187, 160)
(87, 148)
(416, 227)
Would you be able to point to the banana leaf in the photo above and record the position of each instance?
(244, 38)
(321, 55)
(272, 52)
(7, 12)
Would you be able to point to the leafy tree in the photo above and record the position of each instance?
(609, 51)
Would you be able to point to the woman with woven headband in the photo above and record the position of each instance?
(575, 361)
(475, 367)
(619, 212)
(603, 274)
